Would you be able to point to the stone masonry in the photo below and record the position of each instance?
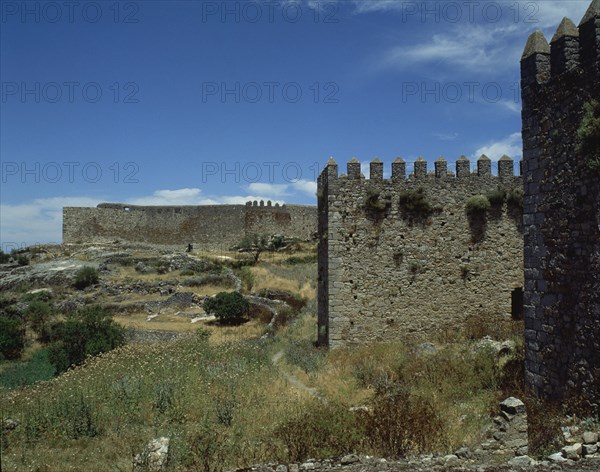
(384, 274)
(561, 212)
(213, 227)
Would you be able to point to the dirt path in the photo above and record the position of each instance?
(292, 379)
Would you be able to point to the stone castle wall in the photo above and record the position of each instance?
(383, 276)
(214, 227)
(561, 212)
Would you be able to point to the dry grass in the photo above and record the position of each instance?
(265, 278)
(223, 404)
(128, 274)
(208, 290)
(161, 322)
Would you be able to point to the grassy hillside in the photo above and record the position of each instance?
(225, 398)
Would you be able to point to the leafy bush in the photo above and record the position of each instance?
(588, 135)
(229, 308)
(254, 243)
(277, 241)
(89, 332)
(38, 314)
(414, 204)
(478, 205)
(22, 260)
(4, 258)
(12, 337)
(375, 201)
(496, 197)
(36, 369)
(515, 198)
(85, 277)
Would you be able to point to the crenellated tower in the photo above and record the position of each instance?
(561, 212)
(401, 257)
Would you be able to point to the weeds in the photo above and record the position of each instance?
(321, 431)
(304, 354)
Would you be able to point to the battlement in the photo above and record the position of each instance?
(261, 204)
(402, 256)
(561, 212)
(505, 170)
(572, 50)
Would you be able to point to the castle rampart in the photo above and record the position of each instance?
(214, 227)
(401, 257)
(561, 212)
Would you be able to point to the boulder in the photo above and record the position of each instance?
(572, 451)
(154, 457)
(513, 406)
(521, 461)
(349, 459)
(589, 449)
(590, 437)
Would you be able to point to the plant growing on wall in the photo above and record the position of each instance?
(477, 206)
(515, 198)
(496, 197)
(588, 135)
(376, 202)
(414, 204)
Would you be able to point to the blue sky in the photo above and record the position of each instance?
(198, 102)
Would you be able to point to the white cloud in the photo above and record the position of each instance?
(307, 187)
(510, 146)
(184, 196)
(474, 48)
(511, 106)
(269, 189)
(37, 221)
(40, 220)
(549, 14)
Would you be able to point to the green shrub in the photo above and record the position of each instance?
(515, 198)
(414, 204)
(22, 260)
(247, 277)
(88, 332)
(588, 135)
(375, 201)
(4, 258)
(277, 241)
(12, 337)
(85, 277)
(80, 417)
(254, 243)
(36, 369)
(496, 197)
(38, 314)
(229, 308)
(478, 205)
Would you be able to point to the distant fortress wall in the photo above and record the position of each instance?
(208, 226)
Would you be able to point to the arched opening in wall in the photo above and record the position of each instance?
(516, 303)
